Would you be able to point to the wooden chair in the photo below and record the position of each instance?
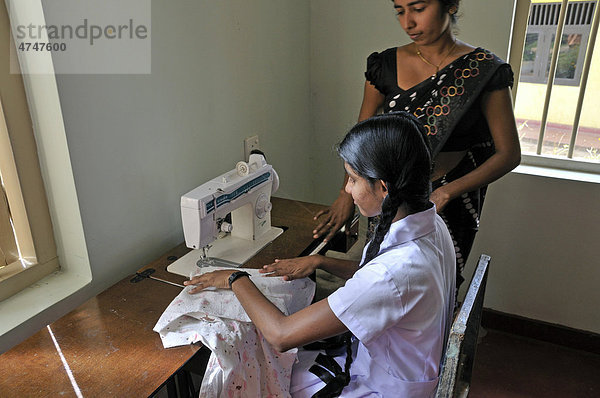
(457, 364)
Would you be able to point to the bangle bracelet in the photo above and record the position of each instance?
(236, 275)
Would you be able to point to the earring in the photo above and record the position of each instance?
(452, 10)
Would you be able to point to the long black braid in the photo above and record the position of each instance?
(392, 148)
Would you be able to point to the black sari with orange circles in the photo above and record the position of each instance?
(449, 106)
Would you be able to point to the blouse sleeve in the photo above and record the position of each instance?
(374, 73)
(502, 78)
(392, 294)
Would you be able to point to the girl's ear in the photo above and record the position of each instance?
(383, 186)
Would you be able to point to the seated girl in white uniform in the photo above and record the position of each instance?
(398, 302)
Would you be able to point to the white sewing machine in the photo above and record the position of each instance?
(245, 193)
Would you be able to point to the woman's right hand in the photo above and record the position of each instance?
(292, 268)
(333, 218)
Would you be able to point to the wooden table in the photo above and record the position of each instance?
(106, 346)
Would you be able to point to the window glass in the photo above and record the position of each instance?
(562, 107)
(8, 244)
(568, 56)
(539, 42)
(587, 144)
(529, 55)
(559, 123)
(548, 59)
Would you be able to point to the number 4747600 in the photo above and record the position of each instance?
(41, 46)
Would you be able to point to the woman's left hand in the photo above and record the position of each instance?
(441, 198)
(218, 279)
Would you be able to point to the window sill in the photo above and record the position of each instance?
(559, 168)
(20, 274)
(35, 300)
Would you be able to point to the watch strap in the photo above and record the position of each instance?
(236, 275)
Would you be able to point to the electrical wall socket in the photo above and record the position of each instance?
(250, 143)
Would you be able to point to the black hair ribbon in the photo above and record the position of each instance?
(332, 374)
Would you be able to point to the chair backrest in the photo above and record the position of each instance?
(457, 366)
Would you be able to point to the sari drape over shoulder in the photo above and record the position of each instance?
(449, 106)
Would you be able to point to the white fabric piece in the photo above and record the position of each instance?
(402, 320)
(242, 363)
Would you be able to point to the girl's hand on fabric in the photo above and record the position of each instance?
(333, 218)
(293, 268)
(218, 279)
(441, 198)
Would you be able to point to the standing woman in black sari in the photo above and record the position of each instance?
(461, 94)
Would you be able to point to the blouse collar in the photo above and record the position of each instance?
(409, 228)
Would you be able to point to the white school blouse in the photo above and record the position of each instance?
(400, 308)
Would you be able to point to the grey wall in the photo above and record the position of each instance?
(221, 71)
(542, 234)
(342, 34)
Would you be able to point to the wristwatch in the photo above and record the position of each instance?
(236, 275)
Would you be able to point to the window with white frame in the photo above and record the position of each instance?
(27, 247)
(557, 117)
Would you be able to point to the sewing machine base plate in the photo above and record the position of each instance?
(230, 249)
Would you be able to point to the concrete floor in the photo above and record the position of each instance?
(510, 366)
